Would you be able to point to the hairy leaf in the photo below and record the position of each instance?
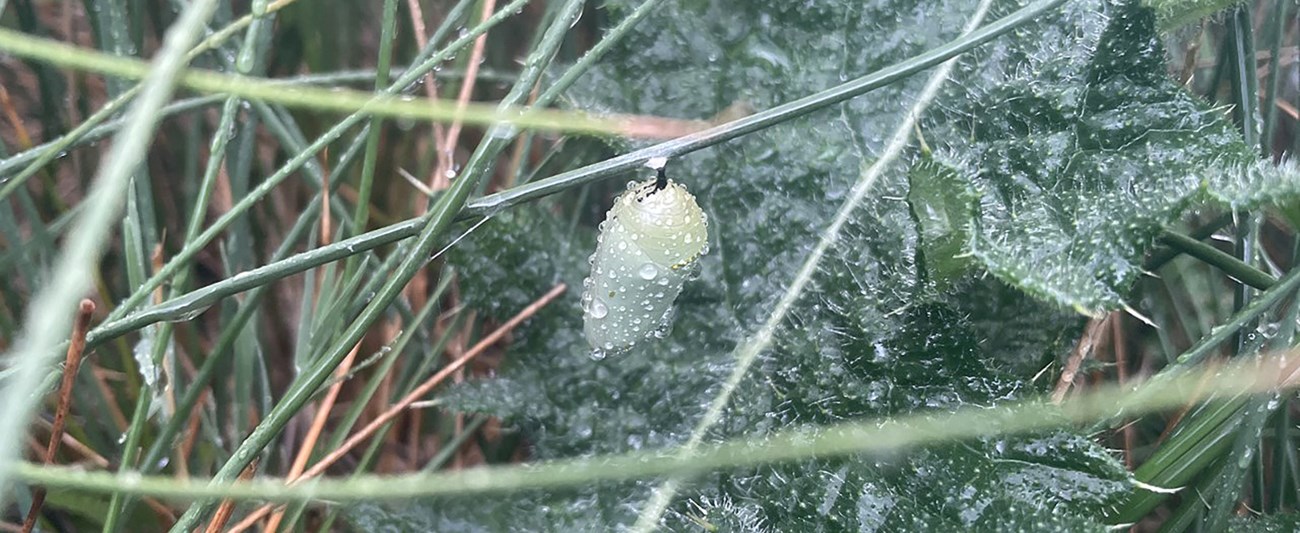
(1081, 150)
(1060, 151)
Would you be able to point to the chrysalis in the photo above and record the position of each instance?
(648, 245)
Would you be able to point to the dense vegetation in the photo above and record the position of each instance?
(974, 265)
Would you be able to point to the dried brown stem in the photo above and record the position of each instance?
(70, 365)
(14, 119)
(317, 426)
(227, 507)
(399, 407)
(441, 178)
(1121, 365)
(1287, 108)
(76, 446)
(326, 222)
(1081, 351)
(114, 409)
(430, 84)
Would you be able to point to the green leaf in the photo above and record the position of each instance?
(943, 205)
(1265, 524)
(1174, 14)
(1081, 149)
(870, 338)
(517, 256)
(1000, 485)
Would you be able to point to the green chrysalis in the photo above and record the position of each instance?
(648, 244)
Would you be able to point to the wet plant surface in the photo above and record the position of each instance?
(1059, 154)
(1004, 253)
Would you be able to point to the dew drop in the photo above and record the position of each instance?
(598, 309)
(648, 271)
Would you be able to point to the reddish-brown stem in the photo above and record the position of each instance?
(399, 407)
(71, 363)
(441, 178)
(15, 120)
(326, 222)
(430, 86)
(1081, 351)
(1121, 365)
(317, 426)
(227, 507)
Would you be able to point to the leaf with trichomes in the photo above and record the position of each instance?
(871, 336)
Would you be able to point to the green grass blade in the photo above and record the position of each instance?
(1241, 47)
(388, 31)
(1280, 12)
(885, 437)
(438, 219)
(49, 316)
(336, 100)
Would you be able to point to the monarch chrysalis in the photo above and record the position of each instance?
(647, 246)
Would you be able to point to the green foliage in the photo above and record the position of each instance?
(1174, 14)
(510, 265)
(1082, 149)
(1267, 524)
(1054, 157)
(1059, 154)
(944, 206)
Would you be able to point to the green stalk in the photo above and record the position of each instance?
(1237, 460)
(1191, 509)
(438, 219)
(197, 300)
(119, 503)
(49, 316)
(449, 449)
(1230, 265)
(308, 97)
(1245, 95)
(388, 31)
(878, 437)
(1280, 9)
(607, 42)
(1161, 256)
(1285, 287)
(56, 148)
